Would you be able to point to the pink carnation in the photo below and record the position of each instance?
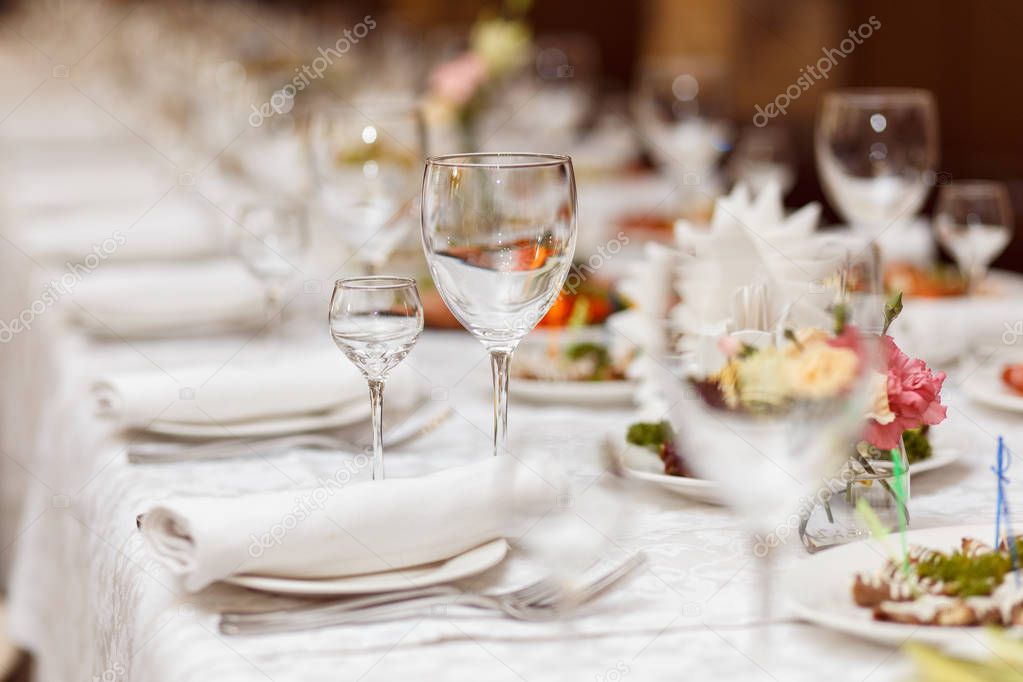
(458, 79)
(914, 396)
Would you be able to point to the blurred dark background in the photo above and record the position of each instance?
(967, 53)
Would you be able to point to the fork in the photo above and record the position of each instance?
(542, 600)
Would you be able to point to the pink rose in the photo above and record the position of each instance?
(458, 79)
(914, 396)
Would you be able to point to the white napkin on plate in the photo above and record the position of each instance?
(337, 530)
(137, 300)
(298, 383)
(175, 228)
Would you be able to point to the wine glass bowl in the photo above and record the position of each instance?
(877, 150)
(365, 159)
(376, 321)
(767, 431)
(499, 234)
(272, 240)
(973, 222)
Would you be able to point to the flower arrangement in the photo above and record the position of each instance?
(460, 88)
(816, 365)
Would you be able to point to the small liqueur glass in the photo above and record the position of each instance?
(375, 321)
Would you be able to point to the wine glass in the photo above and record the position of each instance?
(973, 221)
(770, 447)
(877, 150)
(365, 160)
(681, 107)
(762, 156)
(272, 241)
(499, 234)
(375, 321)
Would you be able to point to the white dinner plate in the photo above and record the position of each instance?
(644, 465)
(946, 445)
(819, 589)
(987, 388)
(464, 565)
(346, 415)
(587, 393)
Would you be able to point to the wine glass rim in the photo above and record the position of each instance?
(515, 160)
(375, 282)
(880, 95)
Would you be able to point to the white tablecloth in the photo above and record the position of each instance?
(88, 599)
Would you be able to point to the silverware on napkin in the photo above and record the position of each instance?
(162, 452)
(542, 600)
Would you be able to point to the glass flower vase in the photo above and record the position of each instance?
(830, 518)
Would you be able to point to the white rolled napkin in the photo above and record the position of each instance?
(136, 300)
(175, 228)
(337, 529)
(296, 384)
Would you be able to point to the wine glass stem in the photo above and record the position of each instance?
(499, 363)
(975, 274)
(376, 402)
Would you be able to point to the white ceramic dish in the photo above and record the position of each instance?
(818, 589)
(642, 464)
(345, 415)
(464, 565)
(987, 388)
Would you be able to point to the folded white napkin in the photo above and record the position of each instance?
(337, 530)
(87, 181)
(174, 228)
(293, 384)
(136, 300)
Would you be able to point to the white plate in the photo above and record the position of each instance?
(645, 465)
(346, 415)
(588, 393)
(462, 566)
(819, 588)
(987, 388)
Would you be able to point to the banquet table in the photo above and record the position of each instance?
(89, 600)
